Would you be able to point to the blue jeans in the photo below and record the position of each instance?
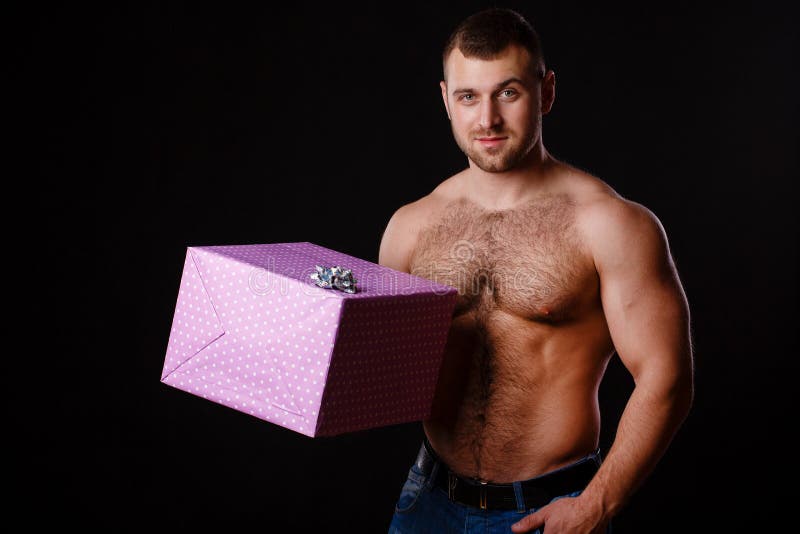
(423, 508)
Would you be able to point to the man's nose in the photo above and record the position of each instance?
(490, 115)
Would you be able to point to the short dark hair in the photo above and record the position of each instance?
(485, 34)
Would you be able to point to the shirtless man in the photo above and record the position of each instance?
(556, 272)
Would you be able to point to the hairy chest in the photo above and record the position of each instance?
(529, 262)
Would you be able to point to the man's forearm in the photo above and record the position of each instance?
(650, 420)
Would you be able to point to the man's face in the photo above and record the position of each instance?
(498, 99)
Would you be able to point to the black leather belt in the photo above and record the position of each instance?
(495, 496)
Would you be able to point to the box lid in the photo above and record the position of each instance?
(298, 260)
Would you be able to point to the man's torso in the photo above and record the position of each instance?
(517, 394)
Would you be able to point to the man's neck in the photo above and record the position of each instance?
(505, 190)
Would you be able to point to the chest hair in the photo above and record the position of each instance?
(527, 261)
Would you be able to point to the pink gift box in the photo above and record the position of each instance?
(253, 331)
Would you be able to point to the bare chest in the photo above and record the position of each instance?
(529, 262)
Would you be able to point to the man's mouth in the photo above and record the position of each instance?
(491, 141)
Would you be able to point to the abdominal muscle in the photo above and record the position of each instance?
(517, 398)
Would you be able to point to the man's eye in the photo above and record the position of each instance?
(465, 97)
(511, 91)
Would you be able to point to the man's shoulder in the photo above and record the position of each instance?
(599, 205)
(401, 232)
(418, 212)
(604, 213)
(614, 225)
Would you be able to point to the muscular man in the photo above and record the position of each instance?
(556, 272)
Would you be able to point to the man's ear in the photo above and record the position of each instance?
(443, 85)
(548, 91)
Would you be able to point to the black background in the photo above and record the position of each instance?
(164, 126)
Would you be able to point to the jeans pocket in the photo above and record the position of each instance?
(554, 499)
(413, 487)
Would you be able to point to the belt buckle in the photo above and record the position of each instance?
(451, 484)
(482, 494)
(452, 480)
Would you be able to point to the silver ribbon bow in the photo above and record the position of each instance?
(335, 277)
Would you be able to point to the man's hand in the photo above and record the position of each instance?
(565, 515)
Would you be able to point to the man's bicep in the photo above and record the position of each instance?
(644, 303)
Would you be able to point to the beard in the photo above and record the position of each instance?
(501, 158)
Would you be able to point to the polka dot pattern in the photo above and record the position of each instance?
(385, 363)
(253, 332)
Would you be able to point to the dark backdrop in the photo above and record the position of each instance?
(164, 126)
